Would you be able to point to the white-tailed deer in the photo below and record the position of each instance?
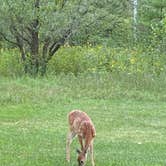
(81, 125)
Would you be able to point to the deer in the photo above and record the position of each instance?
(81, 125)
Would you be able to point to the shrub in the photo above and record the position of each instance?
(87, 59)
(10, 64)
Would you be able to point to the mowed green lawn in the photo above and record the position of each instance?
(129, 114)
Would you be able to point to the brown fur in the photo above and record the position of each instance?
(81, 125)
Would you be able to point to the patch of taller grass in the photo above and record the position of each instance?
(100, 85)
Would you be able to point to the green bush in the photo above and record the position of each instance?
(10, 63)
(89, 59)
(93, 59)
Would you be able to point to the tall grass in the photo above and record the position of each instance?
(101, 85)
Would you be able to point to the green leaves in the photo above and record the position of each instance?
(41, 28)
(57, 16)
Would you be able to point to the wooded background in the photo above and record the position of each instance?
(37, 36)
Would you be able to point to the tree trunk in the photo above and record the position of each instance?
(22, 52)
(23, 58)
(44, 56)
(35, 49)
(49, 50)
(34, 30)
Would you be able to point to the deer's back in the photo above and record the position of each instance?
(81, 123)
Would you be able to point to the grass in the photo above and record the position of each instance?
(129, 113)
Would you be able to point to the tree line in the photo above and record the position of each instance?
(39, 28)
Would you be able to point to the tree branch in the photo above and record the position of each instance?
(8, 40)
(45, 47)
(15, 32)
(57, 44)
(64, 3)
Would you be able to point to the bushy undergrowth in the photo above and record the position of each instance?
(92, 59)
(89, 59)
(10, 63)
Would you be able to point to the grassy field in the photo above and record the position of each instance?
(129, 113)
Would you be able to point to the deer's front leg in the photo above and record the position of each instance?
(81, 142)
(91, 154)
(70, 137)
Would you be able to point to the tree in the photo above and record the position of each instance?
(39, 27)
(152, 23)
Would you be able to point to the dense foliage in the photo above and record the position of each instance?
(88, 59)
(38, 29)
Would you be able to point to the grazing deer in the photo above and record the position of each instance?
(81, 125)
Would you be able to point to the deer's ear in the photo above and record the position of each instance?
(78, 151)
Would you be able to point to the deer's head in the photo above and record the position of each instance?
(81, 157)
